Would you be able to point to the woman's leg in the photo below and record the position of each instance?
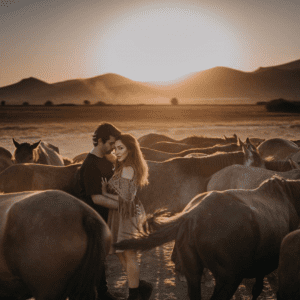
(133, 268)
(122, 260)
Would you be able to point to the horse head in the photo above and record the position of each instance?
(24, 152)
(252, 156)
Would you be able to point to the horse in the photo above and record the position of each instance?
(173, 183)
(150, 139)
(245, 177)
(80, 157)
(39, 152)
(156, 155)
(236, 234)
(52, 246)
(31, 177)
(278, 148)
(289, 267)
(5, 159)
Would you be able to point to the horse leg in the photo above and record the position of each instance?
(225, 289)
(258, 287)
(192, 267)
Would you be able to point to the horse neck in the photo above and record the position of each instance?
(293, 189)
(39, 156)
(278, 165)
(211, 164)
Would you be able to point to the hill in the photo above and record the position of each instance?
(266, 83)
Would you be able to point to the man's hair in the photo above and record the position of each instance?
(104, 131)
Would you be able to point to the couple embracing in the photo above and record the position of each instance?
(109, 184)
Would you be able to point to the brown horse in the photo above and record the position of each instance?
(150, 139)
(156, 155)
(278, 148)
(236, 234)
(173, 183)
(5, 159)
(32, 177)
(80, 158)
(40, 153)
(289, 267)
(52, 246)
(245, 177)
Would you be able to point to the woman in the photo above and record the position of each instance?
(131, 172)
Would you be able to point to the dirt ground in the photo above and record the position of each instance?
(157, 268)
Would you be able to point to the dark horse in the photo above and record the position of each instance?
(52, 246)
(236, 234)
(150, 139)
(5, 159)
(39, 153)
(289, 267)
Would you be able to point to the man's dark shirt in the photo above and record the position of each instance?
(90, 175)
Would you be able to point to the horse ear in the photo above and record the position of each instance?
(33, 146)
(16, 143)
(250, 145)
(294, 164)
(244, 148)
(240, 143)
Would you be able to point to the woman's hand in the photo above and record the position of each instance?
(104, 186)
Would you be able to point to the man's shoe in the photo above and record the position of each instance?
(145, 289)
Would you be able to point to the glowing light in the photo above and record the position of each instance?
(167, 43)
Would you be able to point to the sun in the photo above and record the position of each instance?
(162, 44)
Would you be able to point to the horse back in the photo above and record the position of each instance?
(53, 243)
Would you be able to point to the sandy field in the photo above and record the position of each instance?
(72, 131)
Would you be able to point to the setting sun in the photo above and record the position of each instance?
(165, 44)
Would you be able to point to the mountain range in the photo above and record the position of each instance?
(215, 84)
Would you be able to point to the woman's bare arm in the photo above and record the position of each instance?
(105, 201)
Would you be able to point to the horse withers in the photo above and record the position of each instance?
(52, 246)
(236, 234)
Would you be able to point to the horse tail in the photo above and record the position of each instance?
(166, 232)
(82, 284)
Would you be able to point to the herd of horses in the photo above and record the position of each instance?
(232, 207)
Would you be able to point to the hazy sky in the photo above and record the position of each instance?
(144, 40)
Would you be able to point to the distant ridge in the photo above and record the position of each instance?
(265, 83)
(288, 66)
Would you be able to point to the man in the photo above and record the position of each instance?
(95, 167)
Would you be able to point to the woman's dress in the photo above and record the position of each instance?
(126, 221)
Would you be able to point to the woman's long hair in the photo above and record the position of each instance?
(135, 159)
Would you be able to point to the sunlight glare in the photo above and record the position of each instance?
(165, 44)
